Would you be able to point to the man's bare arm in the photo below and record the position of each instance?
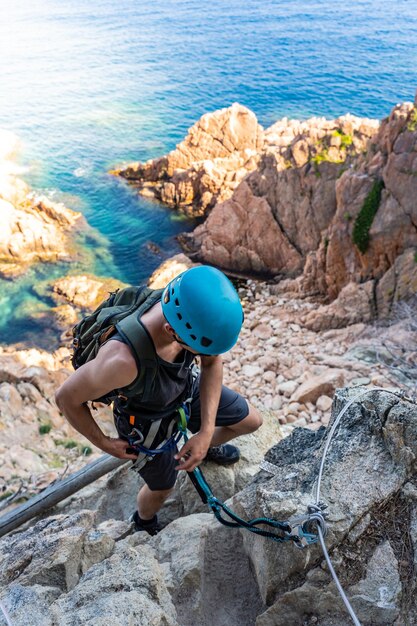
(194, 451)
(113, 368)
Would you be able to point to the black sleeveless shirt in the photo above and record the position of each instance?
(170, 387)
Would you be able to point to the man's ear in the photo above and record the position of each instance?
(168, 328)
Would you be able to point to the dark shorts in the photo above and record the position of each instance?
(159, 473)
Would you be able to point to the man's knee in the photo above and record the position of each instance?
(251, 422)
(255, 418)
(155, 494)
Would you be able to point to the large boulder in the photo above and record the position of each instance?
(219, 150)
(355, 303)
(278, 214)
(366, 483)
(84, 291)
(169, 270)
(69, 573)
(31, 228)
(363, 302)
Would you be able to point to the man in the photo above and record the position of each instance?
(199, 314)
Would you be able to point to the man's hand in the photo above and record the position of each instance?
(118, 448)
(193, 452)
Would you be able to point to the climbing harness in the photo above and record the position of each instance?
(136, 440)
(144, 445)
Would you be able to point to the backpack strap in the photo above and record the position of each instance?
(138, 339)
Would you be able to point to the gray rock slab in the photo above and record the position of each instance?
(376, 599)
(123, 590)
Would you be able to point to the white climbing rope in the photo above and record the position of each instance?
(319, 530)
(336, 424)
(336, 580)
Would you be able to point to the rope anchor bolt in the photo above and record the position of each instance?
(304, 528)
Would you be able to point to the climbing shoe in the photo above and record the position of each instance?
(225, 454)
(152, 527)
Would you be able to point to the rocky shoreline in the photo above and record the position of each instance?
(312, 337)
(326, 204)
(33, 229)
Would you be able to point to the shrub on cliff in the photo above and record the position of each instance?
(363, 222)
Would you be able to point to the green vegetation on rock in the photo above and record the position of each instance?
(346, 140)
(44, 429)
(323, 147)
(412, 124)
(70, 443)
(363, 222)
(323, 156)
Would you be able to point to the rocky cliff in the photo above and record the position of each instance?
(75, 568)
(276, 216)
(217, 153)
(329, 202)
(32, 228)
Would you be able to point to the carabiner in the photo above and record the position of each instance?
(139, 438)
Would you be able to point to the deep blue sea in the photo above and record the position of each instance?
(90, 85)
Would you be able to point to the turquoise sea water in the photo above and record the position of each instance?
(87, 86)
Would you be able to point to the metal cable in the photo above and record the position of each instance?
(326, 447)
(335, 578)
(336, 423)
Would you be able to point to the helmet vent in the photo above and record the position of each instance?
(193, 337)
(188, 325)
(176, 302)
(206, 342)
(179, 316)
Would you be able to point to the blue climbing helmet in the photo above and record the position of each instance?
(204, 309)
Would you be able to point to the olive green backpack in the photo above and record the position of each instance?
(121, 313)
